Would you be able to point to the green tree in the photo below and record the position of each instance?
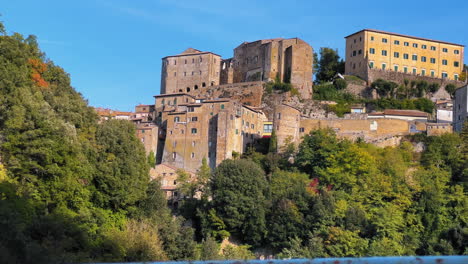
(238, 189)
(329, 65)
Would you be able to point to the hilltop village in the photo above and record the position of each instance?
(215, 109)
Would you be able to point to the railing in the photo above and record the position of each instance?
(366, 260)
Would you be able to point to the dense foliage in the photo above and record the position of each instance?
(72, 189)
(328, 65)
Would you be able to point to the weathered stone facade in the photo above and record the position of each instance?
(264, 60)
(460, 108)
(189, 71)
(193, 129)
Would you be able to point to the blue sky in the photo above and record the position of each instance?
(113, 48)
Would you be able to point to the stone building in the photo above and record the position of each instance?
(147, 133)
(192, 129)
(264, 60)
(189, 70)
(375, 49)
(460, 108)
(143, 113)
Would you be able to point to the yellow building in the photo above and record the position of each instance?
(381, 50)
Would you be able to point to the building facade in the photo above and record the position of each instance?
(374, 49)
(460, 108)
(189, 70)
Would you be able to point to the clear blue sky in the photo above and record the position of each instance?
(113, 48)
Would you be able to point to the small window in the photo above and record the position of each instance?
(176, 119)
(405, 69)
(414, 71)
(278, 116)
(359, 51)
(432, 73)
(372, 38)
(384, 40)
(433, 60)
(193, 143)
(455, 77)
(185, 73)
(396, 42)
(222, 106)
(384, 65)
(406, 44)
(185, 61)
(372, 51)
(188, 89)
(456, 64)
(445, 50)
(195, 87)
(423, 46)
(174, 155)
(405, 56)
(423, 58)
(395, 68)
(396, 54)
(384, 53)
(203, 84)
(237, 131)
(194, 130)
(252, 126)
(194, 119)
(192, 155)
(371, 64)
(423, 72)
(354, 53)
(301, 130)
(415, 45)
(456, 51)
(444, 75)
(175, 62)
(433, 48)
(193, 60)
(142, 131)
(415, 57)
(444, 62)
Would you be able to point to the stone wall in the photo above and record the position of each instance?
(248, 93)
(399, 77)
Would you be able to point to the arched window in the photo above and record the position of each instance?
(196, 87)
(180, 90)
(212, 83)
(188, 89)
(203, 84)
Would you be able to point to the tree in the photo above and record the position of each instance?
(238, 189)
(329, 65)
(273, 146)
(123, 173)
(450, 88)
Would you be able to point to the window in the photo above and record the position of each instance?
(371, 64)
(222, 106)
(194, 130)
(359, 52)
(193, 60)
(433, 60)
(278, 116)
(195, 87)
(405, 56)
(384, 40)
(384, 65)
(444, 75)
(432, 73)
(395, 68)
(414, 70)
(191, 109)
(372, 38)
(372, 51)
(194, 118)
(456, 64)
(354, 53)
(252, 126)
(142, 131)
(193, 73)
(185, 73)
(301, 130)
(174, 155)
(185, 61)
(444, 62)
(455, 77)
(405, 69)
(176, 119)
(175, 62)
(423, 58)
(193, 143)
(175, 73)
(445, 50)
(415, 57)
(415, 45)
(423, 72)
(203, 84)
(396, 54)
(456, 51)
(406, 44)
(267, 128)
(396, 42)
(433, 48)
(423, 46)
(384, 53)
(162, 102)
(237, 131)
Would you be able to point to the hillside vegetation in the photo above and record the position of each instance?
(75, 190)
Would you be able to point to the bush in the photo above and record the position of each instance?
(340, 84)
